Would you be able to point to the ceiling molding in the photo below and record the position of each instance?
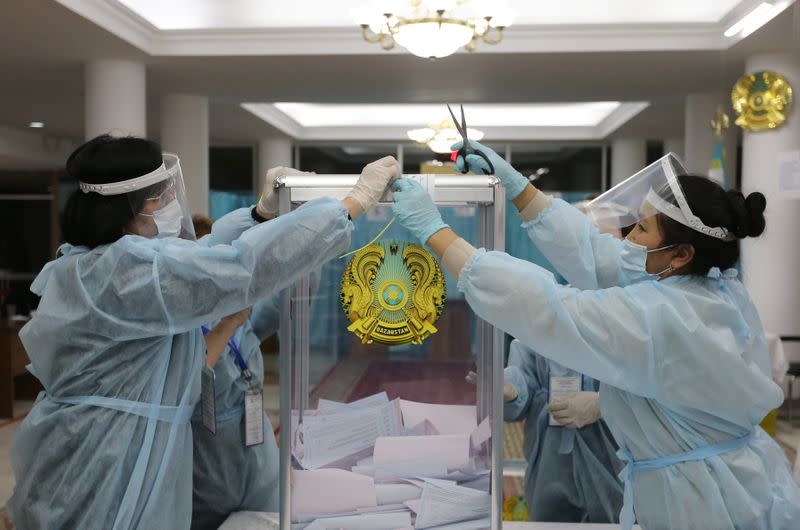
(272, 115)
(117, 19)
(126, 24)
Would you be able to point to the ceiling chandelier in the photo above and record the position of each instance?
(440, 136)
(433, 30)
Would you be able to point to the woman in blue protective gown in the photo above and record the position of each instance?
(571, 473)
(666, 328)
(116, 340)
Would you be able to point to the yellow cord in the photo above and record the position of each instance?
(374, 239)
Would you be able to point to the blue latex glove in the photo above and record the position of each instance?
(415, 209)
(511, 179)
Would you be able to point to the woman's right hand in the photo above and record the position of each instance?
(415, 209)
(511, 179)
(509, 391)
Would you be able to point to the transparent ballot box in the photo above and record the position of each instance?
(379, 427)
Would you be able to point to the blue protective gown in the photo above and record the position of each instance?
(116, 343)
(683, 364)
(572, 473)
(228, 476)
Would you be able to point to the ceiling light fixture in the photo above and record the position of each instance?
(440, 136)
(757, 17)
(433, 31)
(36, 125)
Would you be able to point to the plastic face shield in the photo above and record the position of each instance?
(654, 189)
(157, 199)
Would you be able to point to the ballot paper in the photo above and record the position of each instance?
(476, 524)
(387, 494)
(453, 449)
(428, 183)
(561, 387)
(329, 492)
(326, 406)
(424, 428)
(372, 521)
(446, 419)
(481, 434)
(431, 467)
(444, 502)
(332, 437)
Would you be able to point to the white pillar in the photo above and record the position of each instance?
(628, 155)
(675, 145)
(769, 263)
(184, 131)
(272, 152)
(115, 98)
(700, 138)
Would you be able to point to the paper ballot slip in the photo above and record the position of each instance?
(326, 406)
(452, 449)
(561, 387)
(446, 419)
(333, 491)
(444, 502)
(329, 438)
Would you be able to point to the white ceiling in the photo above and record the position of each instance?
(228, 14)
(43, 76)
(324, 27)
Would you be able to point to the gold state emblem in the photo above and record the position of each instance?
(762, 100)
(392, 292)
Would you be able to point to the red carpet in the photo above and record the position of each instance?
(428, 382)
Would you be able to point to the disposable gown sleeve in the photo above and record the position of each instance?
(517, 409)
(176, 285)
(265, 316)
(229, 227)
(649, 339)
(523, 374)
(586, 258)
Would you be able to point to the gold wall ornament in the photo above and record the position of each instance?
(720, 122)
(392, 293)
(761, 100)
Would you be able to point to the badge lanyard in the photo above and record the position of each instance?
(253, 400)
(239, 359)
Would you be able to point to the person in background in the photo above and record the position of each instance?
(202, 225)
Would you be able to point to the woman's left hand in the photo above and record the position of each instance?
(237, 319)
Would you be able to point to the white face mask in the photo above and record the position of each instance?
(168, 219)
(635, 256)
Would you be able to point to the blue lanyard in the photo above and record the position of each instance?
(239, 359)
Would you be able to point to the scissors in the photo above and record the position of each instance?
(467, 148)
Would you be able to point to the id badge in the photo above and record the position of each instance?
(561, 387)
(253, 417)
(208, 403)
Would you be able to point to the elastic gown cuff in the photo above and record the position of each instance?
(467, 269)
(539, 204)
(514, 410)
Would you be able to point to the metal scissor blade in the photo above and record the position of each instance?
(462, 131)
(463, 124)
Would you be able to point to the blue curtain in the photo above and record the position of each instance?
(223, 202)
